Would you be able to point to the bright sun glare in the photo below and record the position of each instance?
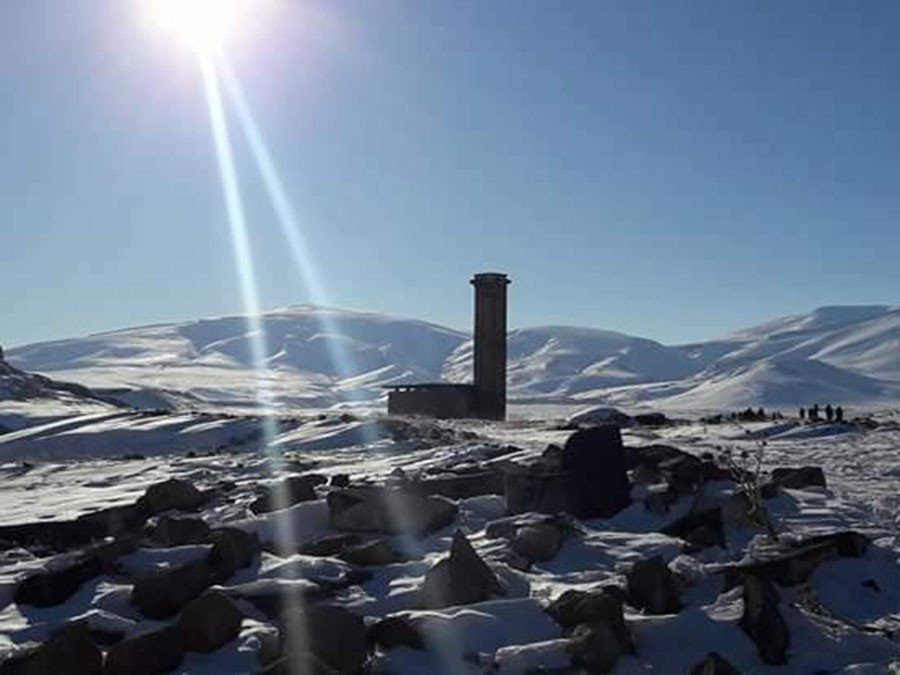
(202, 25)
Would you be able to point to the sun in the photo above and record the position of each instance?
(202, 25)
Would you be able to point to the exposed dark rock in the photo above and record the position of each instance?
(459, 579)
(378, 552)
(330, 545)
(334, 635)
(340, 480)
(538, 543)
(699, 529)
(596, 459)
(158, 651)
(537, 489)
(714, 664)
(597, 646)
(233, 550)
(286, 493)
(799, 478)
(794, 565)
(463, 486)
(173, 494)
(163, 593)
(71, 651)
(180, 531)
(53, 587)
(573, 608)
(389, 511)
(763, 622)
(273, 597)
(114, 521)
(209, 622)
(652, 587)
(395, 631)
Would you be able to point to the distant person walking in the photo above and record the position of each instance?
(802, 413)
(829, 413)
(814, 413)
(839, 415)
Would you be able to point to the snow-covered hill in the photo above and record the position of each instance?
(319, 357)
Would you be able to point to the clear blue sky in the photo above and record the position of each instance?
(669, 169)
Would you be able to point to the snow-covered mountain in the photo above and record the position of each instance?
(318, 357)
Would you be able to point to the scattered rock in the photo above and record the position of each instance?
(334, 635)
(171, 531)
(573, 608)
(459, 579)
(273, 597)
(173, 494)
(156, 652)
(163, 593)
(71, 651)
(53, 587)
(596, 459)
(652, 587)
(330, 545)
(463, 486)
(389, 511)
(340, 480)
(395, 631)
(763, 622)
(114, 521)
(700, 529)
(538, 543)
(597, 646)
(290, 491)
(233, 550)
(794, 565)
(209, 622)
(378, 552)
(714, 664)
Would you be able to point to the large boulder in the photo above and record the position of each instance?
(286, 493)
(209, 622)
(53, 587)
(395, 630)
(333, 635)
(573, 608)
(71, 651)
(153, 653)
(378, 552)
(700, 529)
(596, 459)
(162, 594)
(799, 478)
(173, 494)
(180, 531)
(233, 550)
(389, 511)
(597, 646)
(459, 579)
(763, 622)
(330, 545)
(652, 587)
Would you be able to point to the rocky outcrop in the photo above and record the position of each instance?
(70, 651)
(152, 653)
(763, 622)
(286, 493)
(209, 622)
(389, 510)
(591, 479)
(171, 495)
(652, 587)
(162, 594)
(459, 579)
(171, 531)
(233, 550)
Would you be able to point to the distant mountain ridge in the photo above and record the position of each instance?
(847, 354)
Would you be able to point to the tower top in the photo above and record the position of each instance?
(490, 278)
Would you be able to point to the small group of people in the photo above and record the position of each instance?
(814, 414)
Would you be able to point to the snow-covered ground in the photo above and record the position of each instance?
(65, 469)
(320, 357)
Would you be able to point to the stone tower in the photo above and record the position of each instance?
(490, 344)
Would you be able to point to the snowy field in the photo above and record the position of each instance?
(841, 617)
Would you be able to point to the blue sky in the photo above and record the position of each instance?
(670, 169)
